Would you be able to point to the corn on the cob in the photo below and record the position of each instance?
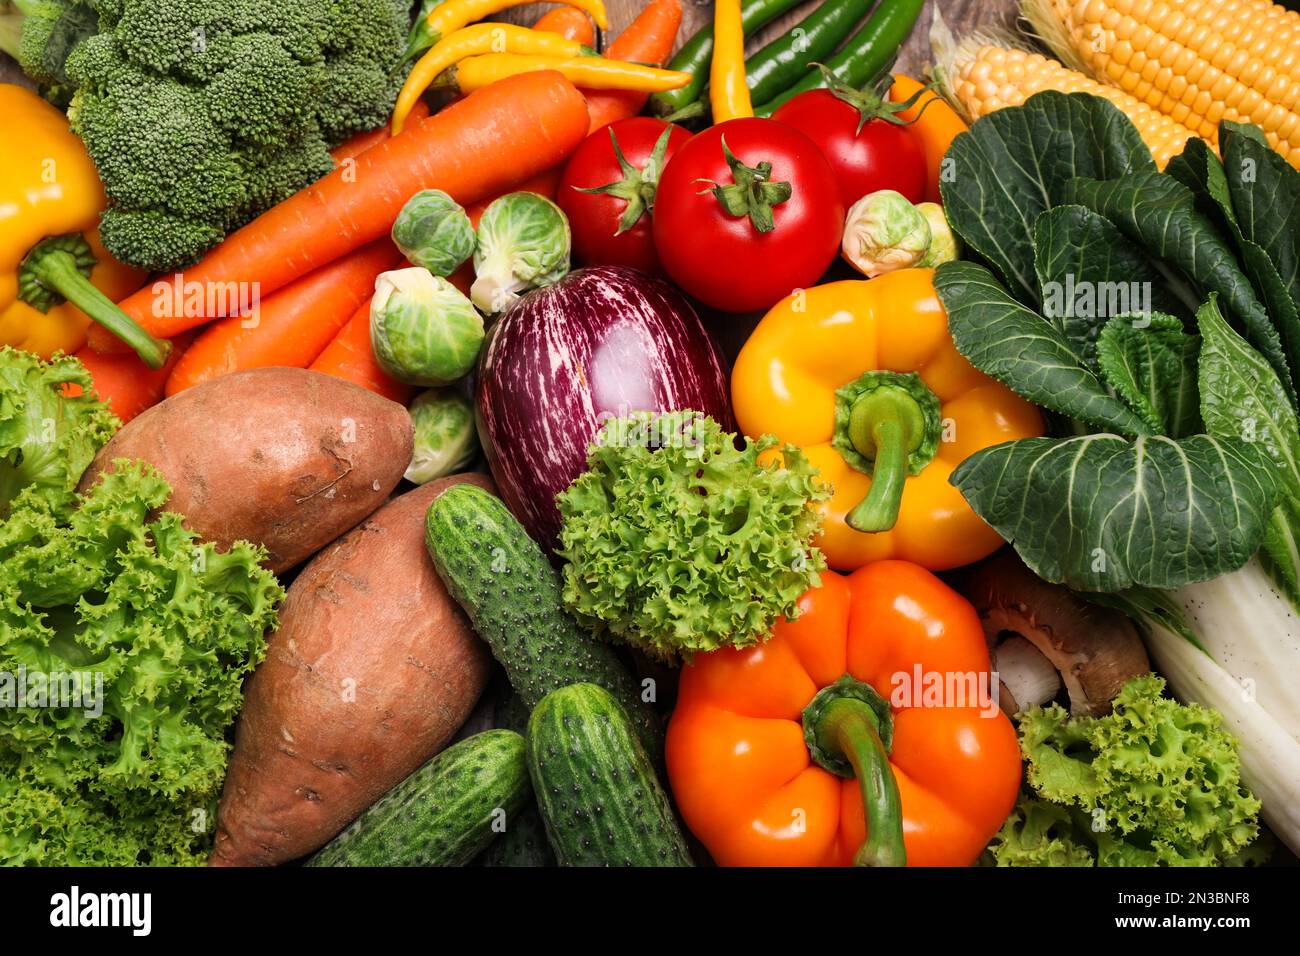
(1196, 61)
(983, 74)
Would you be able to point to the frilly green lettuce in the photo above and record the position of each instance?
(677, 542)
(1154, 783)
(172, 626)
(109, 586)
(46, 440)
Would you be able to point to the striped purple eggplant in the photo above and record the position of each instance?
(602, 342)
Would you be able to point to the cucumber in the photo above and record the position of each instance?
(512, 595)
(595, 785)
(444, 813)
(523, 844)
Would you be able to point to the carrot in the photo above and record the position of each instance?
(358, 144)
(570, 23)
(501, 135)
(349, 357)
(291, 327)
(648, 39)
(126, 383)
(463, 278)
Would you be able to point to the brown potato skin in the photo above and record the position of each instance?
(283, 457)
(369, 609)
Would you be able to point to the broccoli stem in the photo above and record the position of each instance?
(57, 269)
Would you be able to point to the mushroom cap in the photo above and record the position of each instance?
(1096, 649)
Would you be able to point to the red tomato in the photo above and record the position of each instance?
(882, 155)
(596, 218)
(722, 258)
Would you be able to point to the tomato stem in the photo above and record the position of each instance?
(751, 192)
(638, 186)
(873, 102)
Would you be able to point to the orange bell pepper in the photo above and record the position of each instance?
(933, 121)
(863, 376)
(829, 744)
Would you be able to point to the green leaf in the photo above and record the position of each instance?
(1103, 513)
(1200, 170)
(1160, 213)
(1242, 398)
(1024, 351)
(1089, 271)
(1265, 192)
(1013, 164)
(1151, 362)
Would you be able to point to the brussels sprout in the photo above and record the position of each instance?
(523, 243)
(422, 330)
(884, 232)
(445, 441)
(433, 231)
(944, 245)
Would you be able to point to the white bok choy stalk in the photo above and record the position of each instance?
(1246, 668)
(1233, 643)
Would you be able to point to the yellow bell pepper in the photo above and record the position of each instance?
(55, 275)
(863, 376)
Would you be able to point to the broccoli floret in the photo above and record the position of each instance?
(40, 34)
(268, 173)
(201, 114)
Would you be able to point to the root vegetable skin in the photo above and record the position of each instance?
(372, 671)
(286, 458)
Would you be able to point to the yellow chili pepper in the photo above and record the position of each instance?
(728, 90)
(473, 41)
(863, 376)
(588, 72)
(55, 276)
(454, 14)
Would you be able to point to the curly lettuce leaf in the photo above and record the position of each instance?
(677, 542)
(169, 625)
(46, 439)
(1041, 834)
(1154, 783)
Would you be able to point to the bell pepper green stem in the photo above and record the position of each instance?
(886, 425)
(59, 272)
(851, 727)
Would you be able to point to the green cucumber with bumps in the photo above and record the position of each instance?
(600, 799)
(445, 813)
(513, 596)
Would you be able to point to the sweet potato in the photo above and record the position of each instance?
(372, 671)
(284, 457)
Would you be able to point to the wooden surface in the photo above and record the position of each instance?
(914, 59)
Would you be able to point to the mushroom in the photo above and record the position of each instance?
(1042, 634)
